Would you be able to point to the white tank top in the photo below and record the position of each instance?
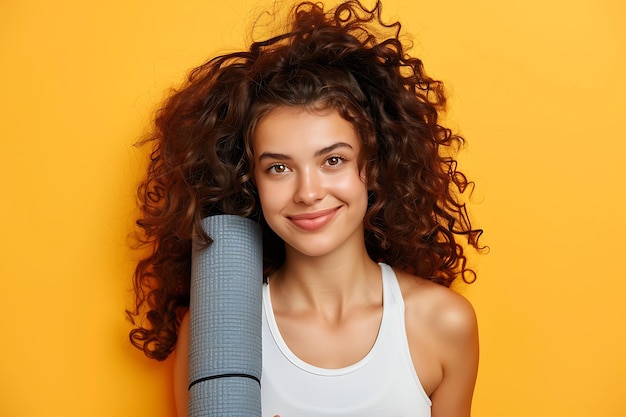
(382, 384)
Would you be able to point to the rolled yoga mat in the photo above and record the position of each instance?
(225, 320)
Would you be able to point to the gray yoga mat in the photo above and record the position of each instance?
(225, 320)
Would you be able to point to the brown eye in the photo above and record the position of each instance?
(278, 168)
(334, 161)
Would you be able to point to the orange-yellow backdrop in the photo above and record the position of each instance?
(537, 87)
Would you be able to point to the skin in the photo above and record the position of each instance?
(327, 297)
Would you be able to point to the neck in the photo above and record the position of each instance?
(331, 284)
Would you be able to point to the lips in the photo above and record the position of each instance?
(313, 221)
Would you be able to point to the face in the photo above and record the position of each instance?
(311, 190)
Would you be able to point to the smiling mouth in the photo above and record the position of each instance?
(313, 221)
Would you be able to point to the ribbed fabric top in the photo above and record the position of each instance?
(382, 384)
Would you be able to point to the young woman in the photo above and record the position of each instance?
(329, 136)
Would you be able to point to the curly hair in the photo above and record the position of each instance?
(201, 159)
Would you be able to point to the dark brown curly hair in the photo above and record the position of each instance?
(201, 160)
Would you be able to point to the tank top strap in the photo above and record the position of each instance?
(392, 295)
(395, 311)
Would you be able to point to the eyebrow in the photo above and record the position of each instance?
(327, 149)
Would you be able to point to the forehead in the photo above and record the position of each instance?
(301, 129)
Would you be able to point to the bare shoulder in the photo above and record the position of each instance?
(442, 332)
(440, 310)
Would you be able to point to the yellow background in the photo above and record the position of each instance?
(537, 87)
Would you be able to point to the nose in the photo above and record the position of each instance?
(310, 188)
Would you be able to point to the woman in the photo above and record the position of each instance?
(330, 137)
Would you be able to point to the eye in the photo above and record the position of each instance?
(334, 161)
(278, 169)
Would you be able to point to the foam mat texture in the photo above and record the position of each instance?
(225, 319)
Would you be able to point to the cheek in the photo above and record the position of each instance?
(262, 190)
(353, 190)
(352, 185)
(270, 197)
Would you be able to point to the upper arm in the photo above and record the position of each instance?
(181, 367)
(457, 332)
